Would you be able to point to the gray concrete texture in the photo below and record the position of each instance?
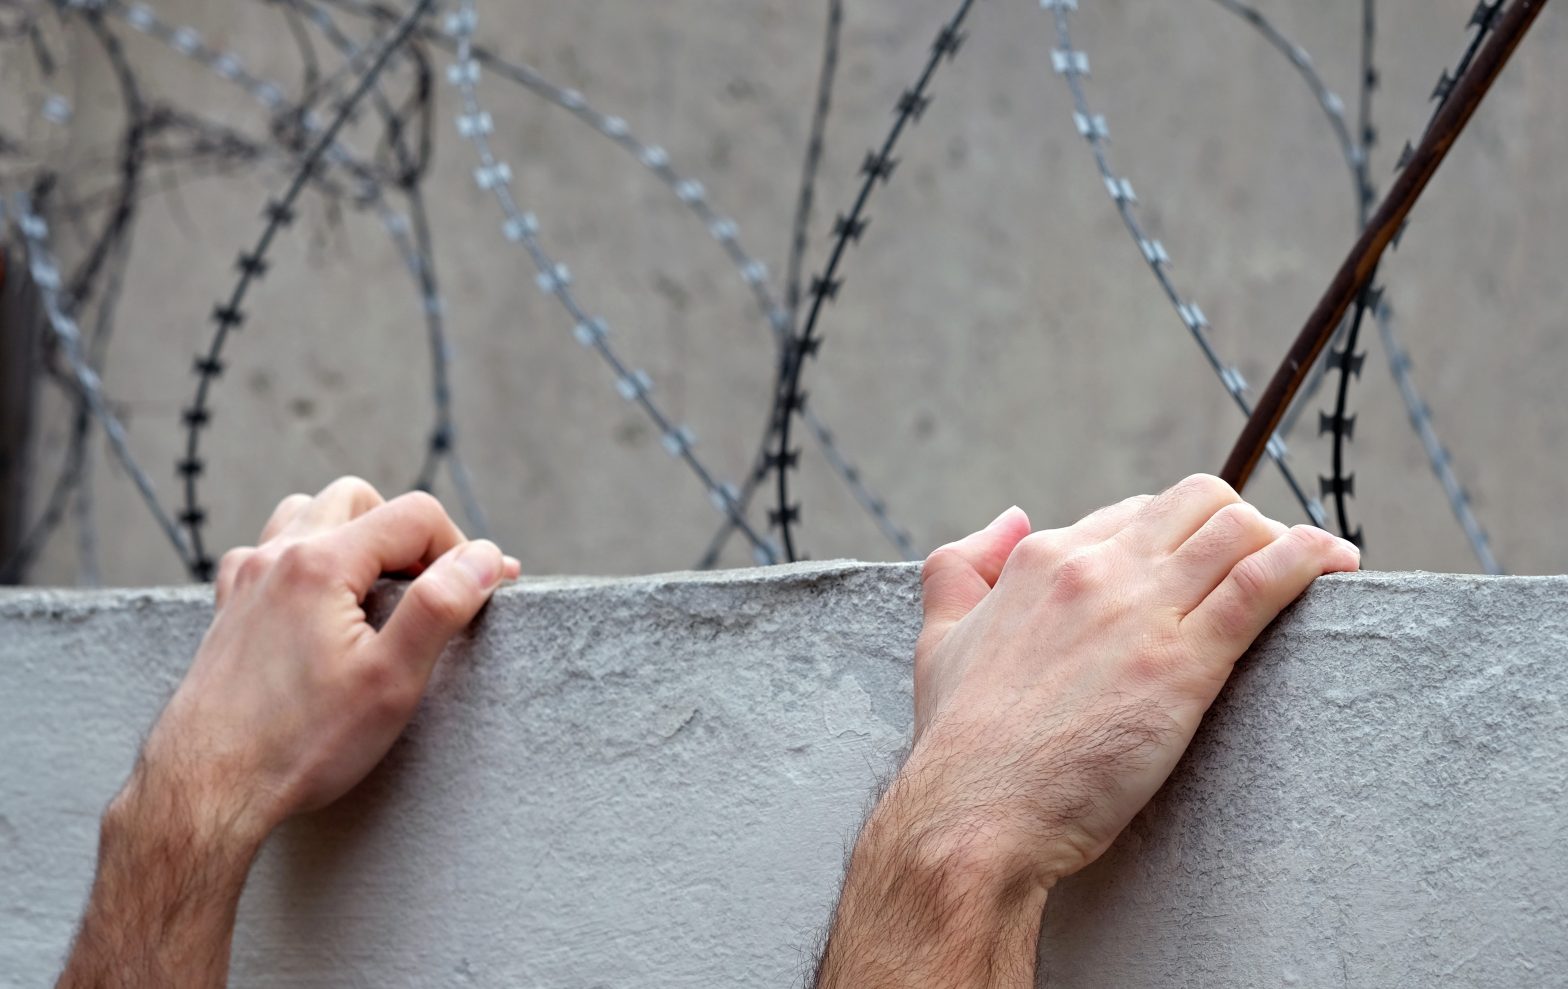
(653, 782)
(997, 339)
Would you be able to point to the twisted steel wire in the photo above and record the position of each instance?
(1374, 301)
(723, 229)
(554, 279)
(789, 400)
(46, 277)
(1073, 65)
(227, 316)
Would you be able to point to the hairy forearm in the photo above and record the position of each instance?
(163, 902)
(927, 904)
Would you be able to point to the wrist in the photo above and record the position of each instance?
(160, 813)
(976, 817)
(928, 901)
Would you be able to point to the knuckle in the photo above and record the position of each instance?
(423, 504)
(231, 561)
(1238, 520)
(1206, 486)
(1079, 575)
(305, 562)
(441, 604)
(292, 503)
(1314, 541)
(253, 566)
(1254, 579)
(1039, 549)
(941, 558)
(353, 488)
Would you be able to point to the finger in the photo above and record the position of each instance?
(285, 513)
(1034, 560)
(228, 567)
(1101, 525)
(513, 567)
(408, 531)
(1234, 532)
(342, 501)
(1260, 586)
(1176, 513)
(438, 605)
(958, 575)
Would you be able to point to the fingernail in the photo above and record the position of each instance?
(1004, 515)
(512, 567)
(481, 560)
(1350, 546)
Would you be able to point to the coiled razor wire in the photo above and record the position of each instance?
(1355, 159)
(227, 315)
(1349, 364)
(419, 257)
(46, 277)
(416, 255)
(1338, 484)
(815, 142)
(412, 237)
(554, 278)
(722, 228)
(789, 401)
(1357, 156)
(1072, 64)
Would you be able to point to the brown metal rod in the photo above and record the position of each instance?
(1362, 261)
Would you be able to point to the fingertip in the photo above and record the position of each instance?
(1013, 519)
(512, 567)
(482, 562)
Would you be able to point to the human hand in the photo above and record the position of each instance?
(1060, 675)
(293, 697)
(1058, 678)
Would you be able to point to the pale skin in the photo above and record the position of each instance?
(1059, 676)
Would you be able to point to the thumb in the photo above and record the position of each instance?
(441, 602)
(957, 576)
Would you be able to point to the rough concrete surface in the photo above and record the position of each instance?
(997, 338)
(652, 782)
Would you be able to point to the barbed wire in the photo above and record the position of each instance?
(418, 256)
(789, 400)
(1333, 107)
(45, 274)
(720, 226)
(816, 141)
(1072, 64)
(227, 315)
(409, 170)
(1340, 423)
(306, 145)
(494, 175)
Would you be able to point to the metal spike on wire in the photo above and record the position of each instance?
(495, 176)
(1333, 107)
(1072, 64)
(1340, 424)
(1464, 96)
(228, 315)
(723, 229)
(419, 258)
(415, 252)
(1359, 161)
(46, 277)
(1483, 18)
(878, 166)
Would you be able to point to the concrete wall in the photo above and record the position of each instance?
(997, 339)
(652, 782)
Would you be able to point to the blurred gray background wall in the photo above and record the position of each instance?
(997, 339)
